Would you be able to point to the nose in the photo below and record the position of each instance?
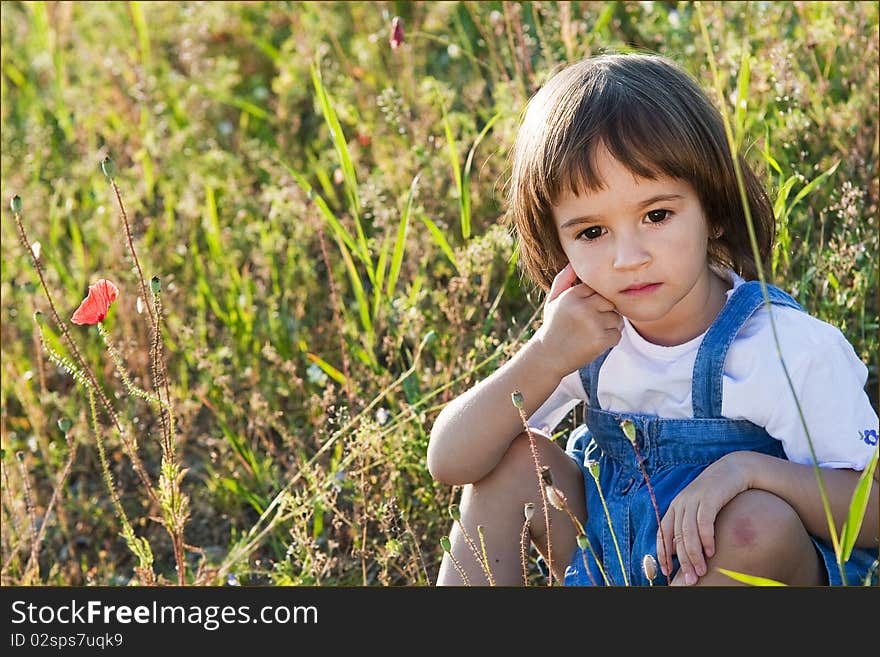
(630, 253)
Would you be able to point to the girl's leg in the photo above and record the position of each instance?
(758, 533)
(496, 502)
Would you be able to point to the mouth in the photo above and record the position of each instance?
(640, 288)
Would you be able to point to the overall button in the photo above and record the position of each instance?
(624, 489)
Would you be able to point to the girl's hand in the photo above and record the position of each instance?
(579, 324)
(689, 523)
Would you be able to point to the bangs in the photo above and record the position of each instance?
(639, 131)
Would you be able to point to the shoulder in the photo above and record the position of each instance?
(805, 343)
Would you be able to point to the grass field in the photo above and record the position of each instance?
(323, 213)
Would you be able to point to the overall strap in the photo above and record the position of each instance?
(590, 378)
(709, 365)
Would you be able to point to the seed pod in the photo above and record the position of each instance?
(517, 398)
(582, 541)
(529, 510)
(108, 167)
(155, 285)
(64, 424)
(649, 567)
(15, 204)
(629, 430)
(555, 497)
(445, 544)
(593, 467)
(454, 512)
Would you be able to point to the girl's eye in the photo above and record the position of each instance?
(591, 233)
(658, 216)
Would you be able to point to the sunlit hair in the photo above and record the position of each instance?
(655, 120)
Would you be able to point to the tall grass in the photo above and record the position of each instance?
(242, 133)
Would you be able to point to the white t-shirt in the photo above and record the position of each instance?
(827, 375)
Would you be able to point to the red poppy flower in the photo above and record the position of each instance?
(94, 307)
(396, 33)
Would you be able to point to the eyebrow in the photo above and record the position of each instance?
(587, 218)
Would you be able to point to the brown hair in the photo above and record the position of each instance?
(655, 120)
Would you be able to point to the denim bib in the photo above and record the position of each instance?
(673, 451)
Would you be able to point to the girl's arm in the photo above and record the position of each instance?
(797, 485)
(474, 431)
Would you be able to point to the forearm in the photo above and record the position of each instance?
(797, 485)
(474, 431)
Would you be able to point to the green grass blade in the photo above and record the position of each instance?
(143, 36)
(338, 229)
(466, 177)
(456, 169)
(810, 186)
(750, 579)
(380, 276)
(857, 507)
(742, 95)
(440, 240)
(348, 172)
(328, 369)
(400, 241)
(358, 288)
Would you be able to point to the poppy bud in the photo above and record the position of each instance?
(15, 204)
(649, 567)
(64, 424)
(445, 544)
(155, 285)
(555, 497)
(396, 33)
(529, 510)
(629, 430)
(454, 513)
(39, 318)
(594, 469)
(517, 398)
(582, 541)
(108, 167)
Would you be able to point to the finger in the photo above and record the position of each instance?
(561, 282)
(680, 549)
(598, 302)
(693, 546)
(706, 526)
(664, 542)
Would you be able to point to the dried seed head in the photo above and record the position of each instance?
(517, 398)
(629, 430)
(445, 544)
(454, 512)
(649, 567)
(15, 204)
(108, 167)
(529, 510)
(555, 497)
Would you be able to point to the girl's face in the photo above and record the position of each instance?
(642, 244)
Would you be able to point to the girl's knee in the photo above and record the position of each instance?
(757, 521)
(515, 462)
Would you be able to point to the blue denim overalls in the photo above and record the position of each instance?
(674, 452)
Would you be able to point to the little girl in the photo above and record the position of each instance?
(625, 200)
